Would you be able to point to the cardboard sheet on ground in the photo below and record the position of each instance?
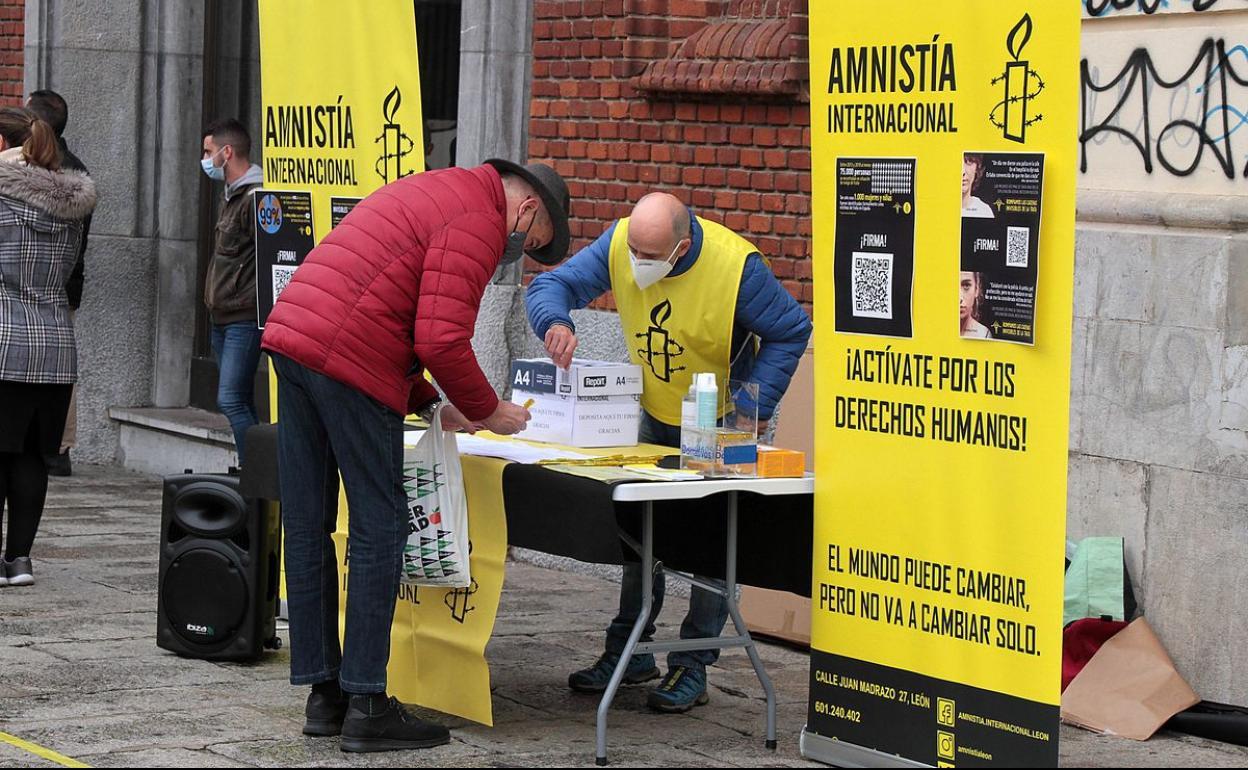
(1129, 688)
(777, 614)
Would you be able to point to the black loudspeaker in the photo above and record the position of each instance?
(219, 557)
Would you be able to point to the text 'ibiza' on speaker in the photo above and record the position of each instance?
(218, 570)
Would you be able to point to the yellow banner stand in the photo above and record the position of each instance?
(944, 158)
(341, 118)
(340, 87)
(437, 642)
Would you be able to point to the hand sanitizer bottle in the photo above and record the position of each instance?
(708, 401)
(689, 423)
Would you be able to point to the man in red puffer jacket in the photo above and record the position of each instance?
(392, 291)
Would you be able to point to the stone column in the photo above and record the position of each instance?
(495, 77)
(131, 74)
(495, 66)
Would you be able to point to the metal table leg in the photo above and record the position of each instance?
(632, 646)
(735, 612)
(647, 603)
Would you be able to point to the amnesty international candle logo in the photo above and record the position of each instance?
(395, 143)
(660, 348)
(458, 601)
(1022, 84)
(315, 144)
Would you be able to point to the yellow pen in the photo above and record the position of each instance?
(529, 404)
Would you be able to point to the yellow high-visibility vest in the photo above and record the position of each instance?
(683, 324)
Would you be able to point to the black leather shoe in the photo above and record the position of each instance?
(374, 723)
(324, 714)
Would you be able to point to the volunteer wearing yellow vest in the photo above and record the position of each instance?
(693, 296)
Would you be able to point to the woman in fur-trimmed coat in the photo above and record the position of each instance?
(41, 213)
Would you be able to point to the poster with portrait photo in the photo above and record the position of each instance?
(873, 269)
(1001, 196)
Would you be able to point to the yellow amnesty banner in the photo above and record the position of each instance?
(450, 628)
(944, 202)
(437, 642)
(340, 87)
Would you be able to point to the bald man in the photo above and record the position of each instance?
(693, 296)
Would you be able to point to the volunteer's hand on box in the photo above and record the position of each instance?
(560, 345)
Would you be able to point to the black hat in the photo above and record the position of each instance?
(554, 194)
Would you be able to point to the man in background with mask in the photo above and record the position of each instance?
(391, 292)
(230, 284)
(708, 295)
(51, 107)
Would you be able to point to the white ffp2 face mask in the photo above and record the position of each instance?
(648, 272)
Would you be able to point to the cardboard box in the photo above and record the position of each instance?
(776, 614)
(795, 424)
(589, 421)
(589, 404)
(776, 463)
(534, 375)
(583, 378)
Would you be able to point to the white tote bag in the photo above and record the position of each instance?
(437, 547)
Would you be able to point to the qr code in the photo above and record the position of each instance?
(872, 282)
(1017, 246)
(281, 276)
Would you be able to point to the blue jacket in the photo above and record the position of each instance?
(764, 308)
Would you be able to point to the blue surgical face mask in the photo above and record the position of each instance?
(215, 173)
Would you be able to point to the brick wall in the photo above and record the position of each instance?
(731, 140)
(12, 42)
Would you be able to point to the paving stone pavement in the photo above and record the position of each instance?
(80, 673)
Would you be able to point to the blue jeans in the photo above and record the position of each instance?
(708, 612)
(237, 349)
(324, 428)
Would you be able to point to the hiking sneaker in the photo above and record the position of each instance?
(683, 689)
(323, 714)
(596, 678)
(375, 723)
(19, 571)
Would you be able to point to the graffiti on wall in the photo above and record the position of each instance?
(1164, 96)
(1177, 123)
(1102, 8)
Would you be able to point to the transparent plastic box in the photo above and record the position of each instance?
(731, 449)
